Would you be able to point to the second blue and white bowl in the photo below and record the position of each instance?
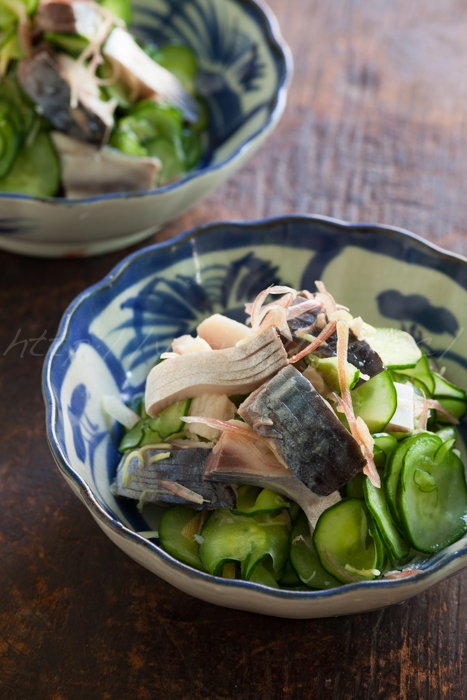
(245, 68)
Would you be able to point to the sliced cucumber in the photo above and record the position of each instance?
(385, 442)
(381, 556)
(432, 495)
(456, 408)
(150, 431)
(447, 434)
(346, 548)
(327, 367)
(264, 577)
(120, 8)
(228, 537)
(136, 404)
(10, 142)
(74, 44)
(36, 170)
(421, 373)
(375, 401)
(393, 470)
(354, 487)
(304, 559)
(396, 348)
(169, 420)
(294, 511)
(289, 577)
(181, 61)
(185, 549)
(446, 390)
(377, 505)
(173, 163)
(252, 500)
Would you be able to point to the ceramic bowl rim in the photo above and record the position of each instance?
(275, 40)
(118, 527)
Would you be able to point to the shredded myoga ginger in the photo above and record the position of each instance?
(422, 412)
(339, 319)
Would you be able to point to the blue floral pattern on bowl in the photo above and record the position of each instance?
(112, 334)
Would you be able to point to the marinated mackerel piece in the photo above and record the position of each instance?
(236, 370)
(234, 460)
(308, 436)
(359, 353)
(88, 171)
(175, 478)
(54, 82)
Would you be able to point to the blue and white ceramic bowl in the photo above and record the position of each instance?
(245, 68)
(112, 332)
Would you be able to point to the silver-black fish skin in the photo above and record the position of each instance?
(184, 467)
(307, 434)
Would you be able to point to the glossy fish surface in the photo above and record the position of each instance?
(307, 434)
(140, 477)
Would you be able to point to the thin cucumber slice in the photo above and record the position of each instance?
(74, 44)
(264, 577)
(252, 500)
(421, 372)
(181, 61)
(304, 559)
(354, 487)
(393, 470)
(446, 390)
(9, 144)
(456, 408)
(377, 505)
(289, 577)
(164, 120)
(169, 420)
(396, 348)
(385, 442)
(381, 556)
(294, 511)
(150, 431)
(327, 367)
(379, 457)
(173, 164)
(136, 404)
(432, 495)
(447, 434)
(375, 401)
(344, 543)
(193, 147)
(183, 548)
(132, 438)
(36, 170)
(228, 537)
(120, 8)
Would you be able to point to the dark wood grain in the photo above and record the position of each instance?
(375, 129)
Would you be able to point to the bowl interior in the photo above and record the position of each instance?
(112, 335)
(241, 66)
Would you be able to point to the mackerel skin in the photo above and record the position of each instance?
(307, 434)
(246, 461)
(184, 467)
(359, 353)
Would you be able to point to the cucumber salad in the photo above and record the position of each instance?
(302, 449)
(86, 108)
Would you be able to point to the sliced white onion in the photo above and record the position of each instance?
(117, 409)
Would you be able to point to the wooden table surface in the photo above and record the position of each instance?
(374, 130)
